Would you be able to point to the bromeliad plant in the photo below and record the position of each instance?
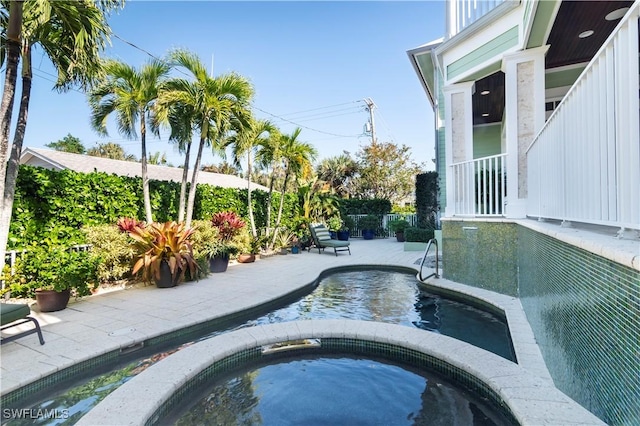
(163, 242)
(229, 226)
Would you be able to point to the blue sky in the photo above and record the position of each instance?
(311, 63)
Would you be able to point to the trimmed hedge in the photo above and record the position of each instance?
(360, 206)
(55, 205)
(426, 199)
(418, 235)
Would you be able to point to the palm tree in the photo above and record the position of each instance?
(179, 119)
(296, 157)
(214, 104)
(72, 34)
(338, 172)
(131, 95)
(245, 141)
(270, 157)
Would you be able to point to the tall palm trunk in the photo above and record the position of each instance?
(13, 165)
(194, 181)
(183, 184)
(282, 196)
(269, 198)
(143, 159)
(252, 221)
(8, 95)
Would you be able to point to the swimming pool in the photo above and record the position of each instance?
(377, 295)
(315, 390)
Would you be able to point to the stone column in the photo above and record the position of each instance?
(458, 116)
(524, 117)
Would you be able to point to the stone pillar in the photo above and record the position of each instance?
(524, 117)
(458, 117)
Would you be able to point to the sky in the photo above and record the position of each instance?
(311, 63)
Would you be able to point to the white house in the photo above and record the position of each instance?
(57, 160)
(537, 117)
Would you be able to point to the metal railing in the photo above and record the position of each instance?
(435, 274)
(584, 165)
(480, 186)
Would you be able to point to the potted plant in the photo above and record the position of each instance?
(164, 252)
(369, 224)
(284, 240)
(334, 224)
(250, 247)
(51, 274)
(398, 226)
(347, 225)
(229, 226)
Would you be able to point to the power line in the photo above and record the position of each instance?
(319, 108)
(305, 127)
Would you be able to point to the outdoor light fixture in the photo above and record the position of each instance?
(485, 92)
(616, 14)
(486, 114)
(585, 34)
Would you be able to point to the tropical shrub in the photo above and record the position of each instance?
(398, 225)
(113, 248)
(229, 225)
(163, 242)
(371, 222)
(53, 268)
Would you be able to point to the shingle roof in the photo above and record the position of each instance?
(87, 164)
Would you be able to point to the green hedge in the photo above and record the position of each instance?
(426, 199)
(361, 206)
(418, 235)
(55, 205)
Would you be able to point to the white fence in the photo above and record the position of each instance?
(383, 230)
(480, 186)
(584, 165)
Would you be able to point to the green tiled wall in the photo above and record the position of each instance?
(484, 257)
(584, 311)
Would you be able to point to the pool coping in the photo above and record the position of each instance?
(531, 399)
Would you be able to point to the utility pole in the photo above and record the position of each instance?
(370, 107)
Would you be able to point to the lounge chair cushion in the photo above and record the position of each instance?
(13, 312)
(12, 315)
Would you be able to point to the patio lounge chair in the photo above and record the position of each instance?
(322, 239)
(12, 315)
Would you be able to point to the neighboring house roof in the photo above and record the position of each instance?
(57, 160)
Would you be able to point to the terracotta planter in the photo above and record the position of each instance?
(166, 280)
(400, 236)
(219, 263)
(51, 300)
(246, 258)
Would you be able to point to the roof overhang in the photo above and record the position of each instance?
(425, 65)
(28, 154)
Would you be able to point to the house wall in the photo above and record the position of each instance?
(582, 308)
(486, 140)
(584, 312)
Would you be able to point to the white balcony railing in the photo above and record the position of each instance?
(462, 13)
(584, 165)
(480, 186)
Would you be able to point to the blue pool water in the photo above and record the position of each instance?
(333, 391)
(375, 295)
